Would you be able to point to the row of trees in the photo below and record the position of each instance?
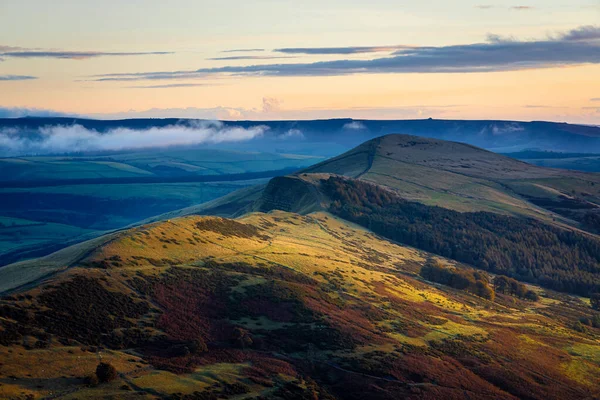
(470, 281)
(520, 248)
(506, 285)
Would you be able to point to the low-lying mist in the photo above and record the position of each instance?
(61, 139)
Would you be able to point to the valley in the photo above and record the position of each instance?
(49, 202)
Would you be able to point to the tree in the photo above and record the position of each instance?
(483, 290)
(106, 372)
(595, 301)
(501, 284)
(531, 295)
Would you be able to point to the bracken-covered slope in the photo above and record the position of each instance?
(280, 305)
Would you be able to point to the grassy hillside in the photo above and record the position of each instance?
(281, 305)
(466, 178)
(490, 211)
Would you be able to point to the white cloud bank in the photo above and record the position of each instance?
(76, 138)
(355, 126)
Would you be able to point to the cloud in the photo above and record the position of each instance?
(595, 99)
(147, 76)
(4, 48)
(74, 55)
(539, 106)
(76, 138)
(270, 104)
(247, 58)
(576, 47)
(168, 86)
(17, 77)
(490, 6)
(212, 113)
(583, 33)
(242, 50)
(291, 134)
(498, 55)
(341, 50)
(354, 126)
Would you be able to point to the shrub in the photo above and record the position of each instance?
(106, 372)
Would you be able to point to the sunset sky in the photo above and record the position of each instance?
(284, 59)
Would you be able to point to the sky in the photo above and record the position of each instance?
(285, 59)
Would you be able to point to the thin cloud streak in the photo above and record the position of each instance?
(75, 55)
(143, 76)
(17, 77)
(174, 85)
(341, 50)
(233, 58)
(242, 50)
(576, 47)
(491, 6)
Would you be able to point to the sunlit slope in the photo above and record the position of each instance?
(288, 306)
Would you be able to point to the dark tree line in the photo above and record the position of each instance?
(520, 248)
(470, 281)
(506, 285)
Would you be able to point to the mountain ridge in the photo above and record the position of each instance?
(346, 133)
